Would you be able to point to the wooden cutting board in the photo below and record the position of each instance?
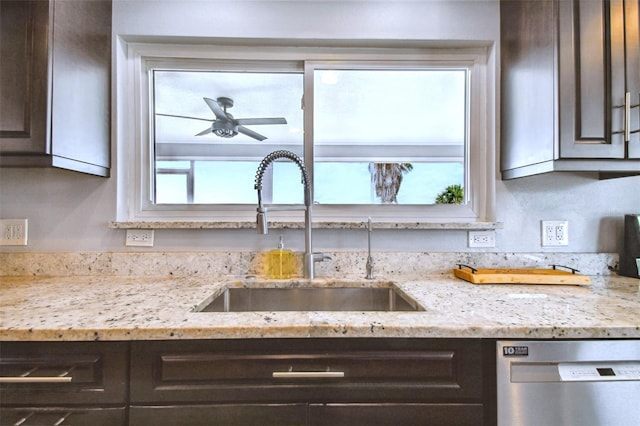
(520, 276)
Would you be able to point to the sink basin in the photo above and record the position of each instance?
(309, 298)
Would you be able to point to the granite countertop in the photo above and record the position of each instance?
(84, 308)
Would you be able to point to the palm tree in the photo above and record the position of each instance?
(387, 178)
(453, 194)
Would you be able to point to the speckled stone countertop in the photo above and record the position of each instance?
(83, 308)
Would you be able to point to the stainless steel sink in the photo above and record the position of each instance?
(309, 298)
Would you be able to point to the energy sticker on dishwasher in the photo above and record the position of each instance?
(515, 351)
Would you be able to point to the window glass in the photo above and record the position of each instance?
(382, 135)
(174, 188)
(188, 106)
(224, 182)
(390, 106)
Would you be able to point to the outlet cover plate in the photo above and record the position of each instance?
(554, 233)
(14, 232)
(482, 239)
(139, 238)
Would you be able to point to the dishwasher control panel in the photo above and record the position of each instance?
(598, 371)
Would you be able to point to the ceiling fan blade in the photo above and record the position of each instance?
(217, 110)
(183, 116)
(254, 121)
(251, 133)
(204, 132)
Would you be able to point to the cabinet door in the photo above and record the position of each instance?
(632, 41)
(26, 416)
(227, 415)
(528, 32)
(55, 84)
(306, 370)
(63, 373)
(80, 102)
(23, 76)
(395, 414)
(592, 78)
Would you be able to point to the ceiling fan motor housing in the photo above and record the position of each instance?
(224, 129)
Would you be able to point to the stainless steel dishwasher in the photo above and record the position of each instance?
(568, 383)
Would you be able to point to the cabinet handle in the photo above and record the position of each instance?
(627, 117)
(60, 421)
(50, 379)
(308, 374)
(24, 419)
(28, 378)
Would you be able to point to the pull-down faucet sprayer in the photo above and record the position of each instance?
(261, 218)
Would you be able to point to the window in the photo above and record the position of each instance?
(383, 132)
(393, 133)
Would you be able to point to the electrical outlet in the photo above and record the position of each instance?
(139, 237)
(482, 238)
(555, 233)
(14, 232)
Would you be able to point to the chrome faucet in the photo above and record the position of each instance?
(369, 258)
(261, 218)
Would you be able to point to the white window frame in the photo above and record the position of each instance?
(135, 141)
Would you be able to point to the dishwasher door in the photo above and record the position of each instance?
(565, 383)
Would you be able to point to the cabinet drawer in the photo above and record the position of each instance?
(25, 416)
(63, 372)
(395, 414)
(306, 370)
(223, 414)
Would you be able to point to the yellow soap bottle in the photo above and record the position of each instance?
(281, 263)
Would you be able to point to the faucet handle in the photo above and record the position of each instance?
(370, 264)
(320, 257)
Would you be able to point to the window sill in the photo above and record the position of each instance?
(299, 225)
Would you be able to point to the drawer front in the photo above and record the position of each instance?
(395, 414)
(306, 370)
(26, 416)
(63, 372)
(227, 415)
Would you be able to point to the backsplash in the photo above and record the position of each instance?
(216, 263)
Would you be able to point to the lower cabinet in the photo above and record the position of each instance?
(220, 414)
(245, 382)
(308, 414)
(307, 382)
(395, 414)
(61, 383)
(25, 416)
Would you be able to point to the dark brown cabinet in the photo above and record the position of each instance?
(26, 416)
(249, 382)
(307, 382)
(570, 87)
(82, 383)
(55, 90)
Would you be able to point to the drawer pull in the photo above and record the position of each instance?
(27, 378)
(308, 374)
(24, 419)
(60, 421)
(51, 379)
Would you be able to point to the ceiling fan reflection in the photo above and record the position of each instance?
(224, 125)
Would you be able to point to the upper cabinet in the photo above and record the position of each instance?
(55, 84)
(570, 87)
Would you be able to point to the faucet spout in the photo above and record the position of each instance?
(262, 225)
